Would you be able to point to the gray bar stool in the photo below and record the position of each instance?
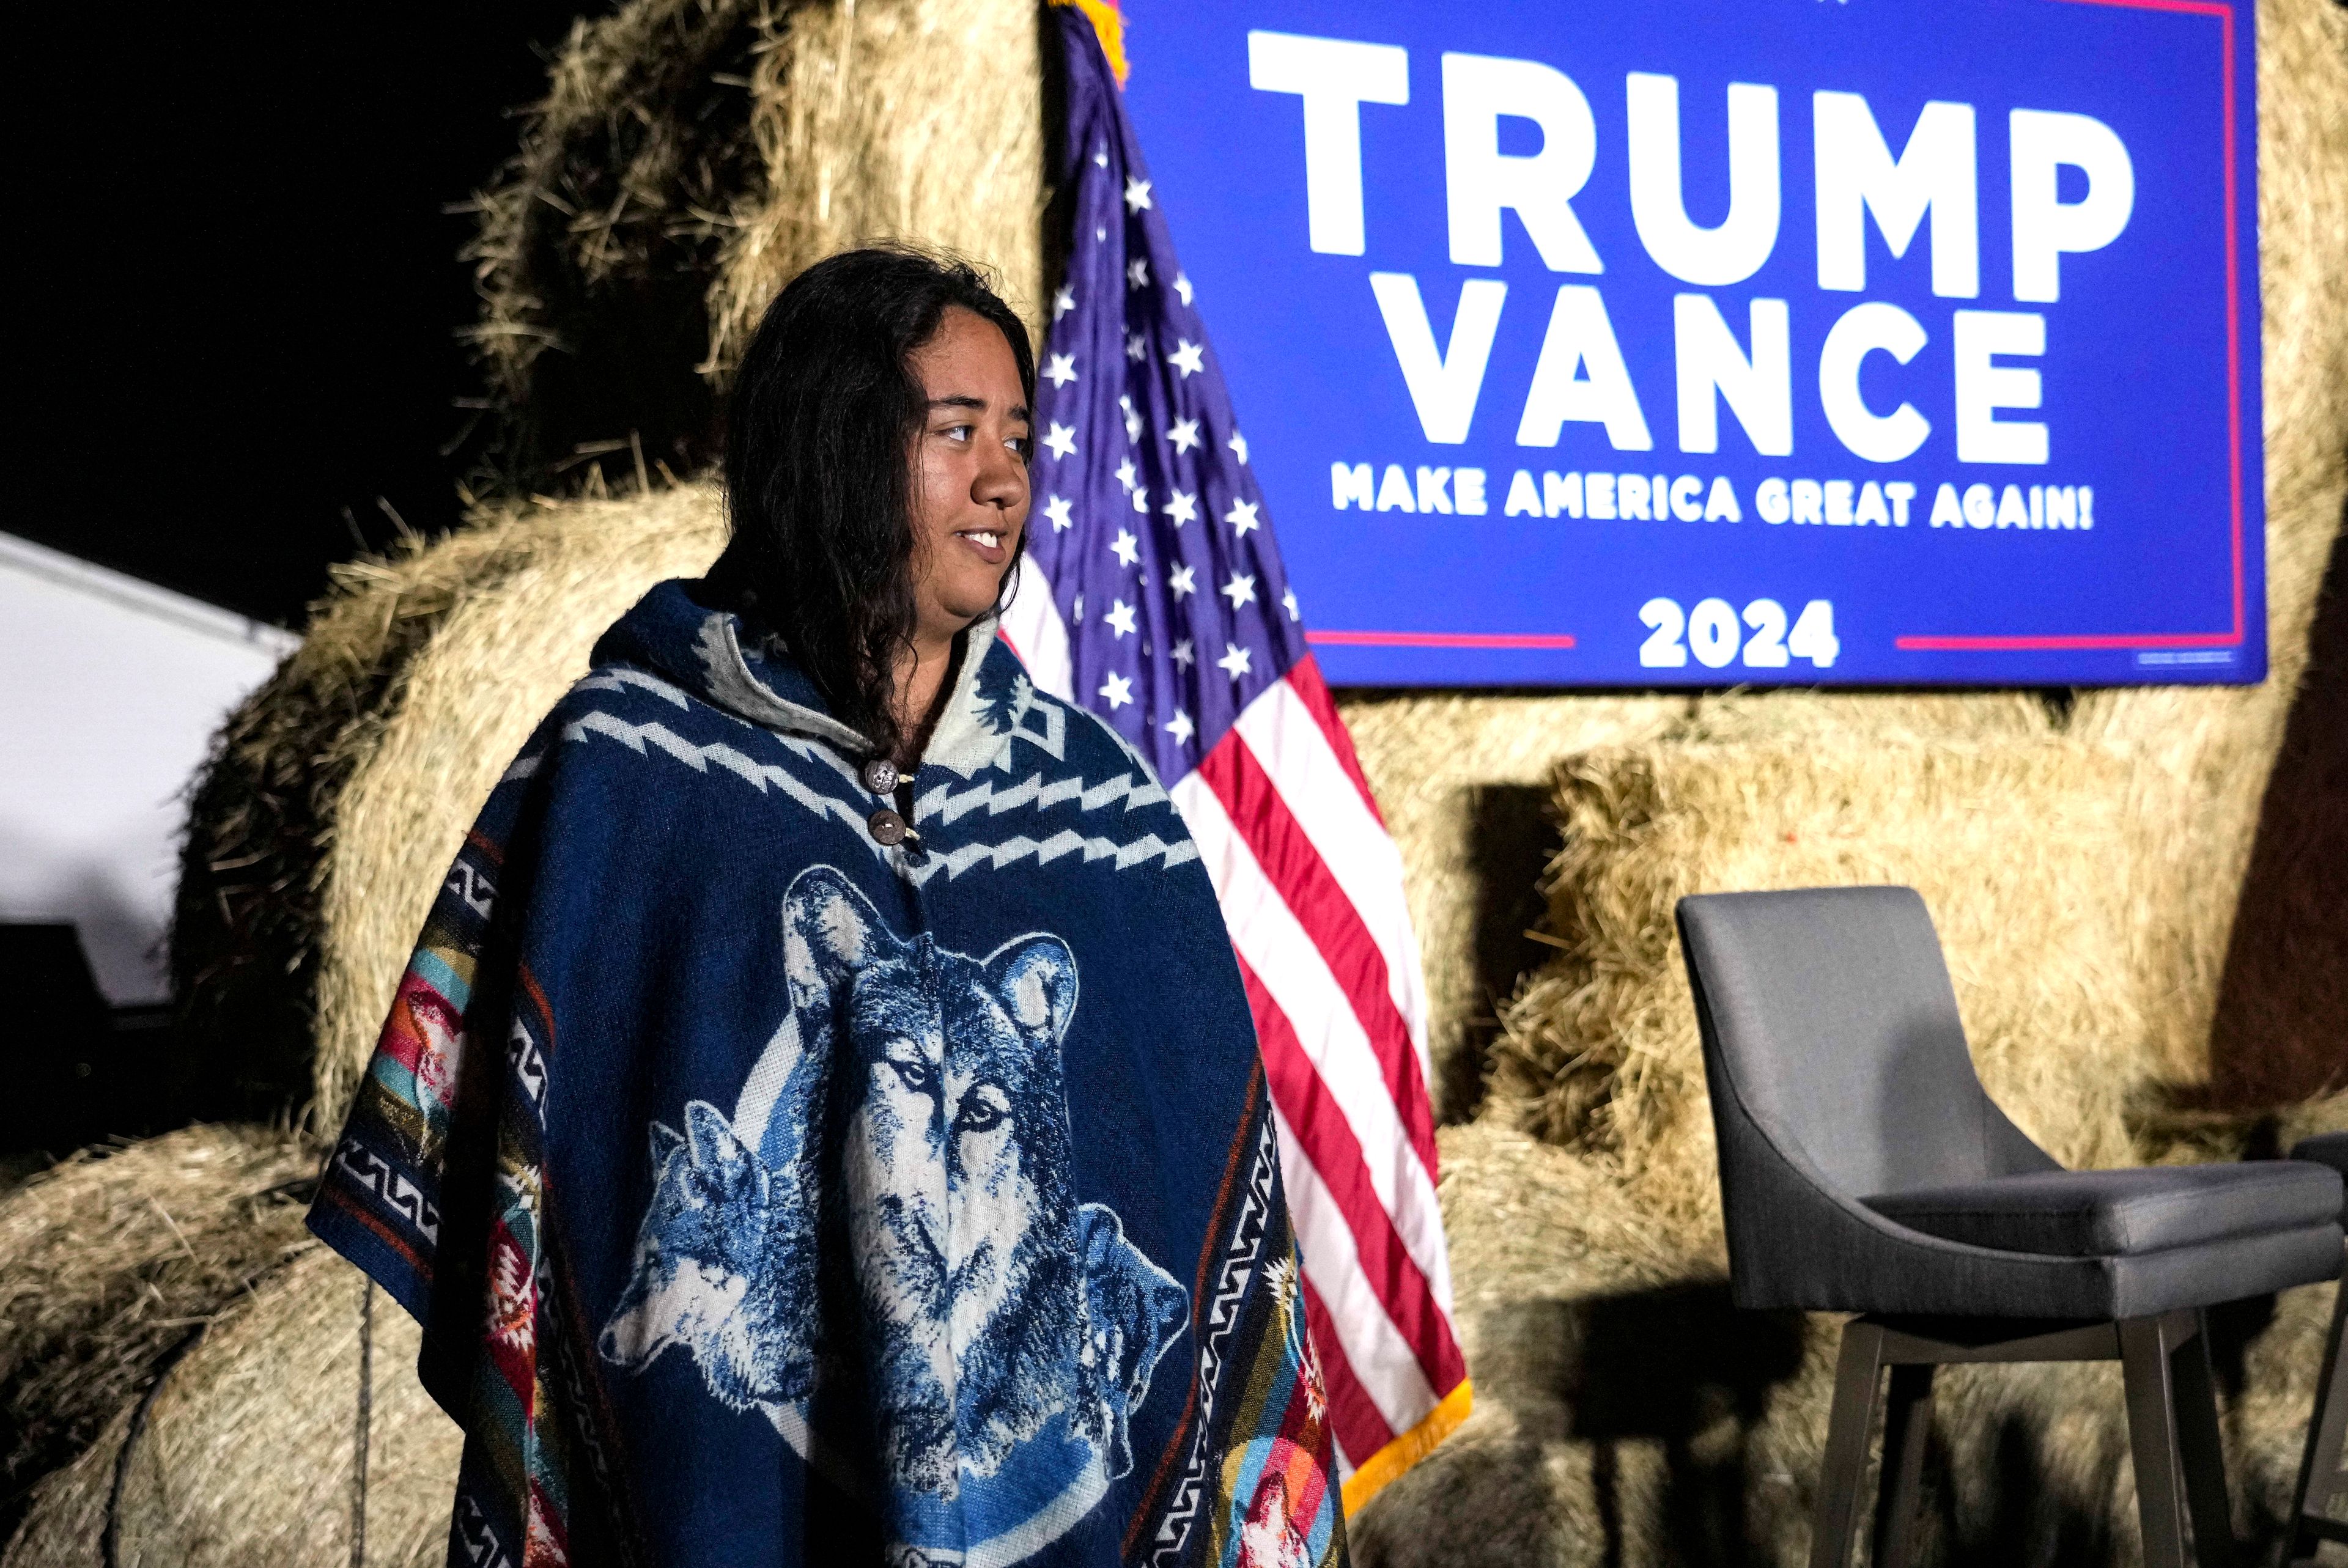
(2319, 1509)
(1863, 1169)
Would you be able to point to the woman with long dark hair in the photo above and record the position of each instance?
(821, 1121)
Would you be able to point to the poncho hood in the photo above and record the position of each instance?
(712, 654)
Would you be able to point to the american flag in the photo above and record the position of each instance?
(1153, 595)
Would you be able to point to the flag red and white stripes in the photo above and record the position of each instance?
(1153, 595)
(1310, 886)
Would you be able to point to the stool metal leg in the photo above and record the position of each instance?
(2152, 1440)
(1859, 1374)
(2199, 1445)
(1907, 1423)
(2319, 1508)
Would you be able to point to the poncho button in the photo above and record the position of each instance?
(880, 777)
(886, 825)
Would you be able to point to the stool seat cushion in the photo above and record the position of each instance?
(2325, 1149)
(2120, 1213)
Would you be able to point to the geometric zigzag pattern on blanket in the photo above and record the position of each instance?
(1037, 793)
(995, 857)
(398, 1194)
(1242, 1255)
(1033, 794)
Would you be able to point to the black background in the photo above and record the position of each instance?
(238, 290)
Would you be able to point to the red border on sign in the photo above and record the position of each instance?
(2225, 15)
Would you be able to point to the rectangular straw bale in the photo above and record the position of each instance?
(920, 120)
(2029, 854)
(1444, 764)
(1438, 764)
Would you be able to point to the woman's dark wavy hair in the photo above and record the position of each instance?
(820, 433)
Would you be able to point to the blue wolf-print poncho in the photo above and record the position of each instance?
(772, 1194)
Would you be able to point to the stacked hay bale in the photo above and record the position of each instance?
(2082, 857)
(112, 1262)
(515, 638)
(691, 157)
(293, 1434)
(246, 919)
(595, 240)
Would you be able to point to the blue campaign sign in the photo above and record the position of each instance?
(1733, 341)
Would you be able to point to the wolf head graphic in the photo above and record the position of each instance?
(955, 1165)
(715, 1273)
(909, 1125)
(1133, 1311)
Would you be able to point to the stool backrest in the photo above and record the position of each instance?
(1831, 1042)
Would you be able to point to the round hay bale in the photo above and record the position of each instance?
(689, 158)
(261, 818)
(112, 1258)
(890, 120)
(552, 577)
(598, 240)
(246, 1454)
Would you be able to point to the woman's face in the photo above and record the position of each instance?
(970, 473)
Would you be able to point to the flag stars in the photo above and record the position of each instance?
(1184, 435)
(1062, 369)
(1180, 727)
(1234, 661)
(1186, 358)
(1126, 474)
(1137, 195)
(1238, 444)
(1239, 590)
(1101, 156)
(1119, 619)
(1058, 509)
(1183, 582)
(1182, 655)
(1288, 602)
(1136, 273)
(1127, 549)
(1064, 301)
(1182, 286)
(1117, 692)
(1141, 499)
(1060, 441)
(1183, 507)
(1136, 348)
(1242, 518)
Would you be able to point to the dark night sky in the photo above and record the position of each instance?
(238, 315)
